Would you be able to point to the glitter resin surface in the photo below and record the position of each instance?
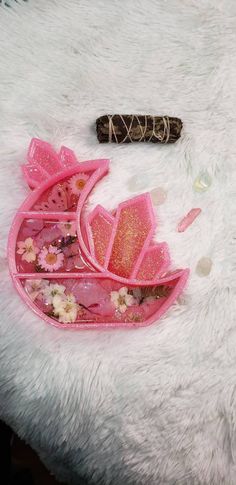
(87, 270)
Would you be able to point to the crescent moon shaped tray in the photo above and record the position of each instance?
(87, 271)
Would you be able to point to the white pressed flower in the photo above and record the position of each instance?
(53, 290)
(35, 288)
(27, 249)
(65, 308)
(121, 299)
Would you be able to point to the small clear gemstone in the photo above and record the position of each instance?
(158, 195)
(203, 267)
(138, 182)
(202, 182)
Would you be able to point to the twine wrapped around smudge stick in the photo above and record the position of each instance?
(138, 128)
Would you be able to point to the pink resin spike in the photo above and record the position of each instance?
(155, 262)
(41, 153)
(101, 224)
(67, 157)
(106, 268)
(188, 219)
(133, 229)
(43, 162)
(34, 175)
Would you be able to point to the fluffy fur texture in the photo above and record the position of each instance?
(156, 405)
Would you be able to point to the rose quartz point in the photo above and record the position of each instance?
(188, 219)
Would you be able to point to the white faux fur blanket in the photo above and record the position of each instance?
(156, 405)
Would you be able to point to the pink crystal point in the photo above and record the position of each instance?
(43, 162)
(188, 219)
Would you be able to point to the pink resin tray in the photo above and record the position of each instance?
(83, 271)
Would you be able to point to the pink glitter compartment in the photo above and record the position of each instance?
(87, 271)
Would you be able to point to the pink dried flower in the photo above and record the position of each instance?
(78, 182)
(50, 259)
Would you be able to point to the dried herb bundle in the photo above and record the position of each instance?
(138, 128)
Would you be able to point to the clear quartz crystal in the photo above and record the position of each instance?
(203, 267)
(158, 196)
(202, 182)
(138, 182)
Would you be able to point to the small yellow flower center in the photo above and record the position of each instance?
(51, 258)
(80, 183)
(121, 300)
(68, 307)
(29, 249)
